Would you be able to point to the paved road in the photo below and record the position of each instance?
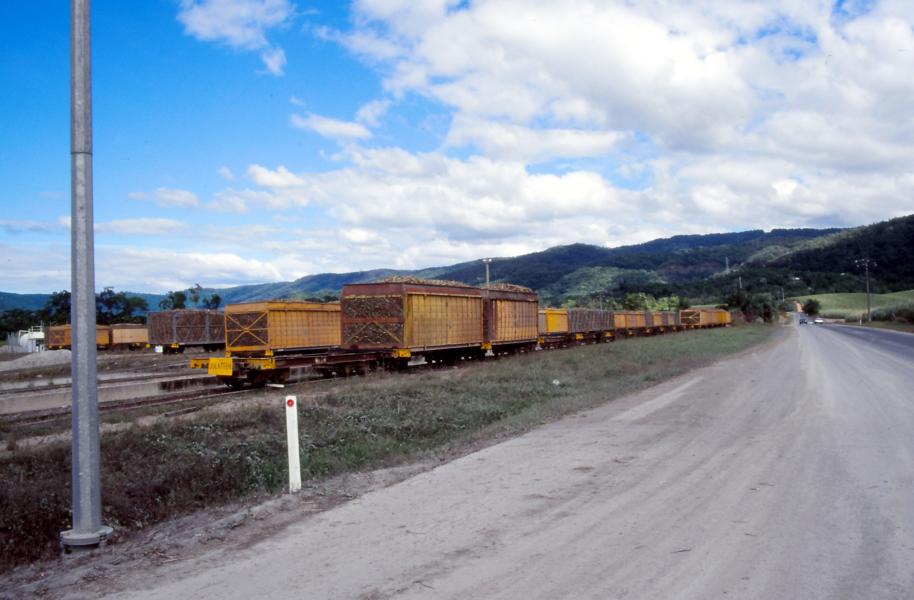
(786, 473)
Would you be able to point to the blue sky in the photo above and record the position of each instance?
(244, 141)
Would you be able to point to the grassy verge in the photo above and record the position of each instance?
(156, 472)
(853, 305)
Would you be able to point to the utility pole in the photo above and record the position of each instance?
(487, 261)
(866, 263)
(87, 531)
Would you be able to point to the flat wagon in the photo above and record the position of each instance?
(129, 335)
(401, 319)
(511, 319)
(281, 327)
(630, 322)
(60, 337)
(175, 330)
(694, 318)
(591, 324)
(661, 321)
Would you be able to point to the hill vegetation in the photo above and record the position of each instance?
(751, 267)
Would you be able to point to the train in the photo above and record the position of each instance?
(121, 336)
(400, 322)
(392, 324)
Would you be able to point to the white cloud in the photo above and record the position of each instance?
(280, 178)
(160, 270)
(517, 142)
(167, 197)
(274, 59)
(226, 173)
(141, 226)
(330, 128)
(239, 24)
(14, 227)
(371, 112)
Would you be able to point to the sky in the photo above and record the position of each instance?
(250, 141)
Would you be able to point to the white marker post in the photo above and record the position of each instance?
(292, 443)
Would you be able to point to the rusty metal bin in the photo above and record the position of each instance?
(631, 320)
(552, 321)
(186, 327)
(406, 316)
(590, 320)
(129, 334)
(511, 317)
(278, 326)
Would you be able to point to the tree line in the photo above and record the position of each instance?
(110, 307)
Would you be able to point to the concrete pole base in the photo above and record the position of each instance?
(71, 539)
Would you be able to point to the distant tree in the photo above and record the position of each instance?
(56, 310)
(14, 319)
(173, 301)
(812, 307)
(137, 305)
(634, 301)
(213, 302)
(118, 307)
(194, 294)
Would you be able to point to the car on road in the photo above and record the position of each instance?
(818, 321)
(803, 321)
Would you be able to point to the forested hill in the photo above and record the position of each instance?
(789, 261)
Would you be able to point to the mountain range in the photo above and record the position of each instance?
(789, 262)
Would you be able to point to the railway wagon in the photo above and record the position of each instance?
(175, 330)
(281, 327)
(552, 321)
(591, 324)
(406, 318)
(60, 336)
(630, 322)
(717, 317)
(694, 318)
(129, 335)
(664, 320)
(552, 325)
(510, 318)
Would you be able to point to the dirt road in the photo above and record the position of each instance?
(787, 473)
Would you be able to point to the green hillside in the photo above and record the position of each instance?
(24, 301)
(781, 262)
(853, 305)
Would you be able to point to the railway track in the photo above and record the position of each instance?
(196, 397)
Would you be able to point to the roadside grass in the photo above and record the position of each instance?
(853, 305)
(159, 471)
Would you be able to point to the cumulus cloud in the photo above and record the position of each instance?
(240, 24)
(330, 128)
(226, 173)
(371, 112)
(517, 142)
(169, 197)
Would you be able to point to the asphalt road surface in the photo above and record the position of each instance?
(784, 473)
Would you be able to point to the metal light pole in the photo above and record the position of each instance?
(87, 531)
(487, 261)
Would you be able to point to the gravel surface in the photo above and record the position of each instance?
(37, 359)
(783, 473)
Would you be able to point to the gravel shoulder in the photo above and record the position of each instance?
(784, 473)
